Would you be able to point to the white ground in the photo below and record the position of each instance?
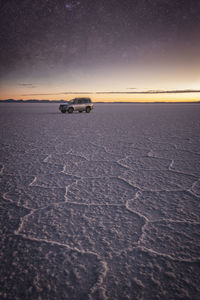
(103, 205)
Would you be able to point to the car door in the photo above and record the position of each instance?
(82, 105)
(75, 104)
(78, 105)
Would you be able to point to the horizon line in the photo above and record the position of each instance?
(11, 100)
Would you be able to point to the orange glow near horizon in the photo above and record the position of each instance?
(113, 84)
(176, 97)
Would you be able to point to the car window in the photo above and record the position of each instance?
(72, 101)
(81, 101)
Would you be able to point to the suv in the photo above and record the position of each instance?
(77, 104)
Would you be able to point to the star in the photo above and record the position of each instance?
(70, 6)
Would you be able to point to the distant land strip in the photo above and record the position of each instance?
(100, 102)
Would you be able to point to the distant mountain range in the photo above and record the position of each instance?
(33, 101)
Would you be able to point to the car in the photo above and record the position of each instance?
(77, 104)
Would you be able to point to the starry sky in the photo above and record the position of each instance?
(112, 50)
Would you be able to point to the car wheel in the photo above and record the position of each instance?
(88, 109)
(63, 111)
(70, 110)
(80, 111)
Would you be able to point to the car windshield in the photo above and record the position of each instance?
(71, 101)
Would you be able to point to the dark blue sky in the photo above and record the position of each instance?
(75, 43)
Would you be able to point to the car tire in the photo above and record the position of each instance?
(63, 111)
(70, 110)
(88, 109)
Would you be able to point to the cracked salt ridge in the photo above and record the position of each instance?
(144, 163)
(153, 163)
(68, 159)
(107, 190)
(102, 272)
(138, 281)
(92, 152)
(4, 196)
(195, 189)
(153, 274)
(136, 152)
(153, 180)
(176, 205)
(150, 145)
(32, 168)
(190, 167)
(9, 182)
(86, 228)
(54, 266)
(151, 246)
(10, 214)
(189, 253)
(173, 239)
(96, 169)
(32, 196)
(190, 145)
(35, 196)
(175, 154)
(47, 158)
(59, 180)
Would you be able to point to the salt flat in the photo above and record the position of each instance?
(103, 205)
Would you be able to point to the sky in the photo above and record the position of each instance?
(110, 50)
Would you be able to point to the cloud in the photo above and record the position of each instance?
(28, 85)
(68, 93)
(59, 93)
(154, 92)
(150, 92)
